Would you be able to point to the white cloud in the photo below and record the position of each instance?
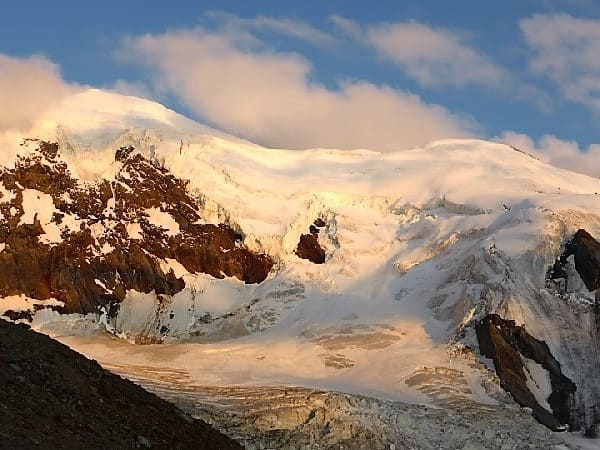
(567, 50)
(293, 28)
(243, 87)
(558, 152)
(348, 27)
(28, 86)
(433, 57)
(134, 88)
(438, 58)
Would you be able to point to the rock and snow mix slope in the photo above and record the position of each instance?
(419, 246)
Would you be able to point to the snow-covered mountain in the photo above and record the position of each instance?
(395, 275)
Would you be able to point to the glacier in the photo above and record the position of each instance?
(420, 245)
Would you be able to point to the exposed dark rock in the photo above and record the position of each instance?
(595, 322)
(581, 254)
(53, 397)
(214, 250)
(586, 251)
(123, 153)
(18, 315)
(319, 223)
(505, 343)
(558, 271)
(87, 269)
(591, 432)
(308, 246)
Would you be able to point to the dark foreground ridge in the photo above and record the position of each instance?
(52, 397)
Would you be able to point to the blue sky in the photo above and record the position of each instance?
(525, 71)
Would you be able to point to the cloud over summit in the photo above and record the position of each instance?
(245, 87)
(28, 86)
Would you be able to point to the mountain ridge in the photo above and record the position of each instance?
(417, 248)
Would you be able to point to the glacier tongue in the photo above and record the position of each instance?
(419, 246)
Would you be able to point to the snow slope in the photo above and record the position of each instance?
(419, 245)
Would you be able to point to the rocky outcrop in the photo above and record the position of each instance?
(87, 244)
(507, 344)
(308, 246)
(586, 252)
(53, 397)
(573, 280)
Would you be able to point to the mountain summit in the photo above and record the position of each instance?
(419, 275)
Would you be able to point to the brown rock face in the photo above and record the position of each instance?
(505, 343)
(586, 250)
(104, 238)
(308, 246)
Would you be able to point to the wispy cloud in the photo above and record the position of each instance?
(293, 28)
(348, 26)
(267, 96)
(433, 57)
(440, 59)
(28, 87)
(567, 50)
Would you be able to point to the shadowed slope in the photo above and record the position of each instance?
(53, 397)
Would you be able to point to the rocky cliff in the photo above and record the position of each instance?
(85, 245)
(526, 365)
